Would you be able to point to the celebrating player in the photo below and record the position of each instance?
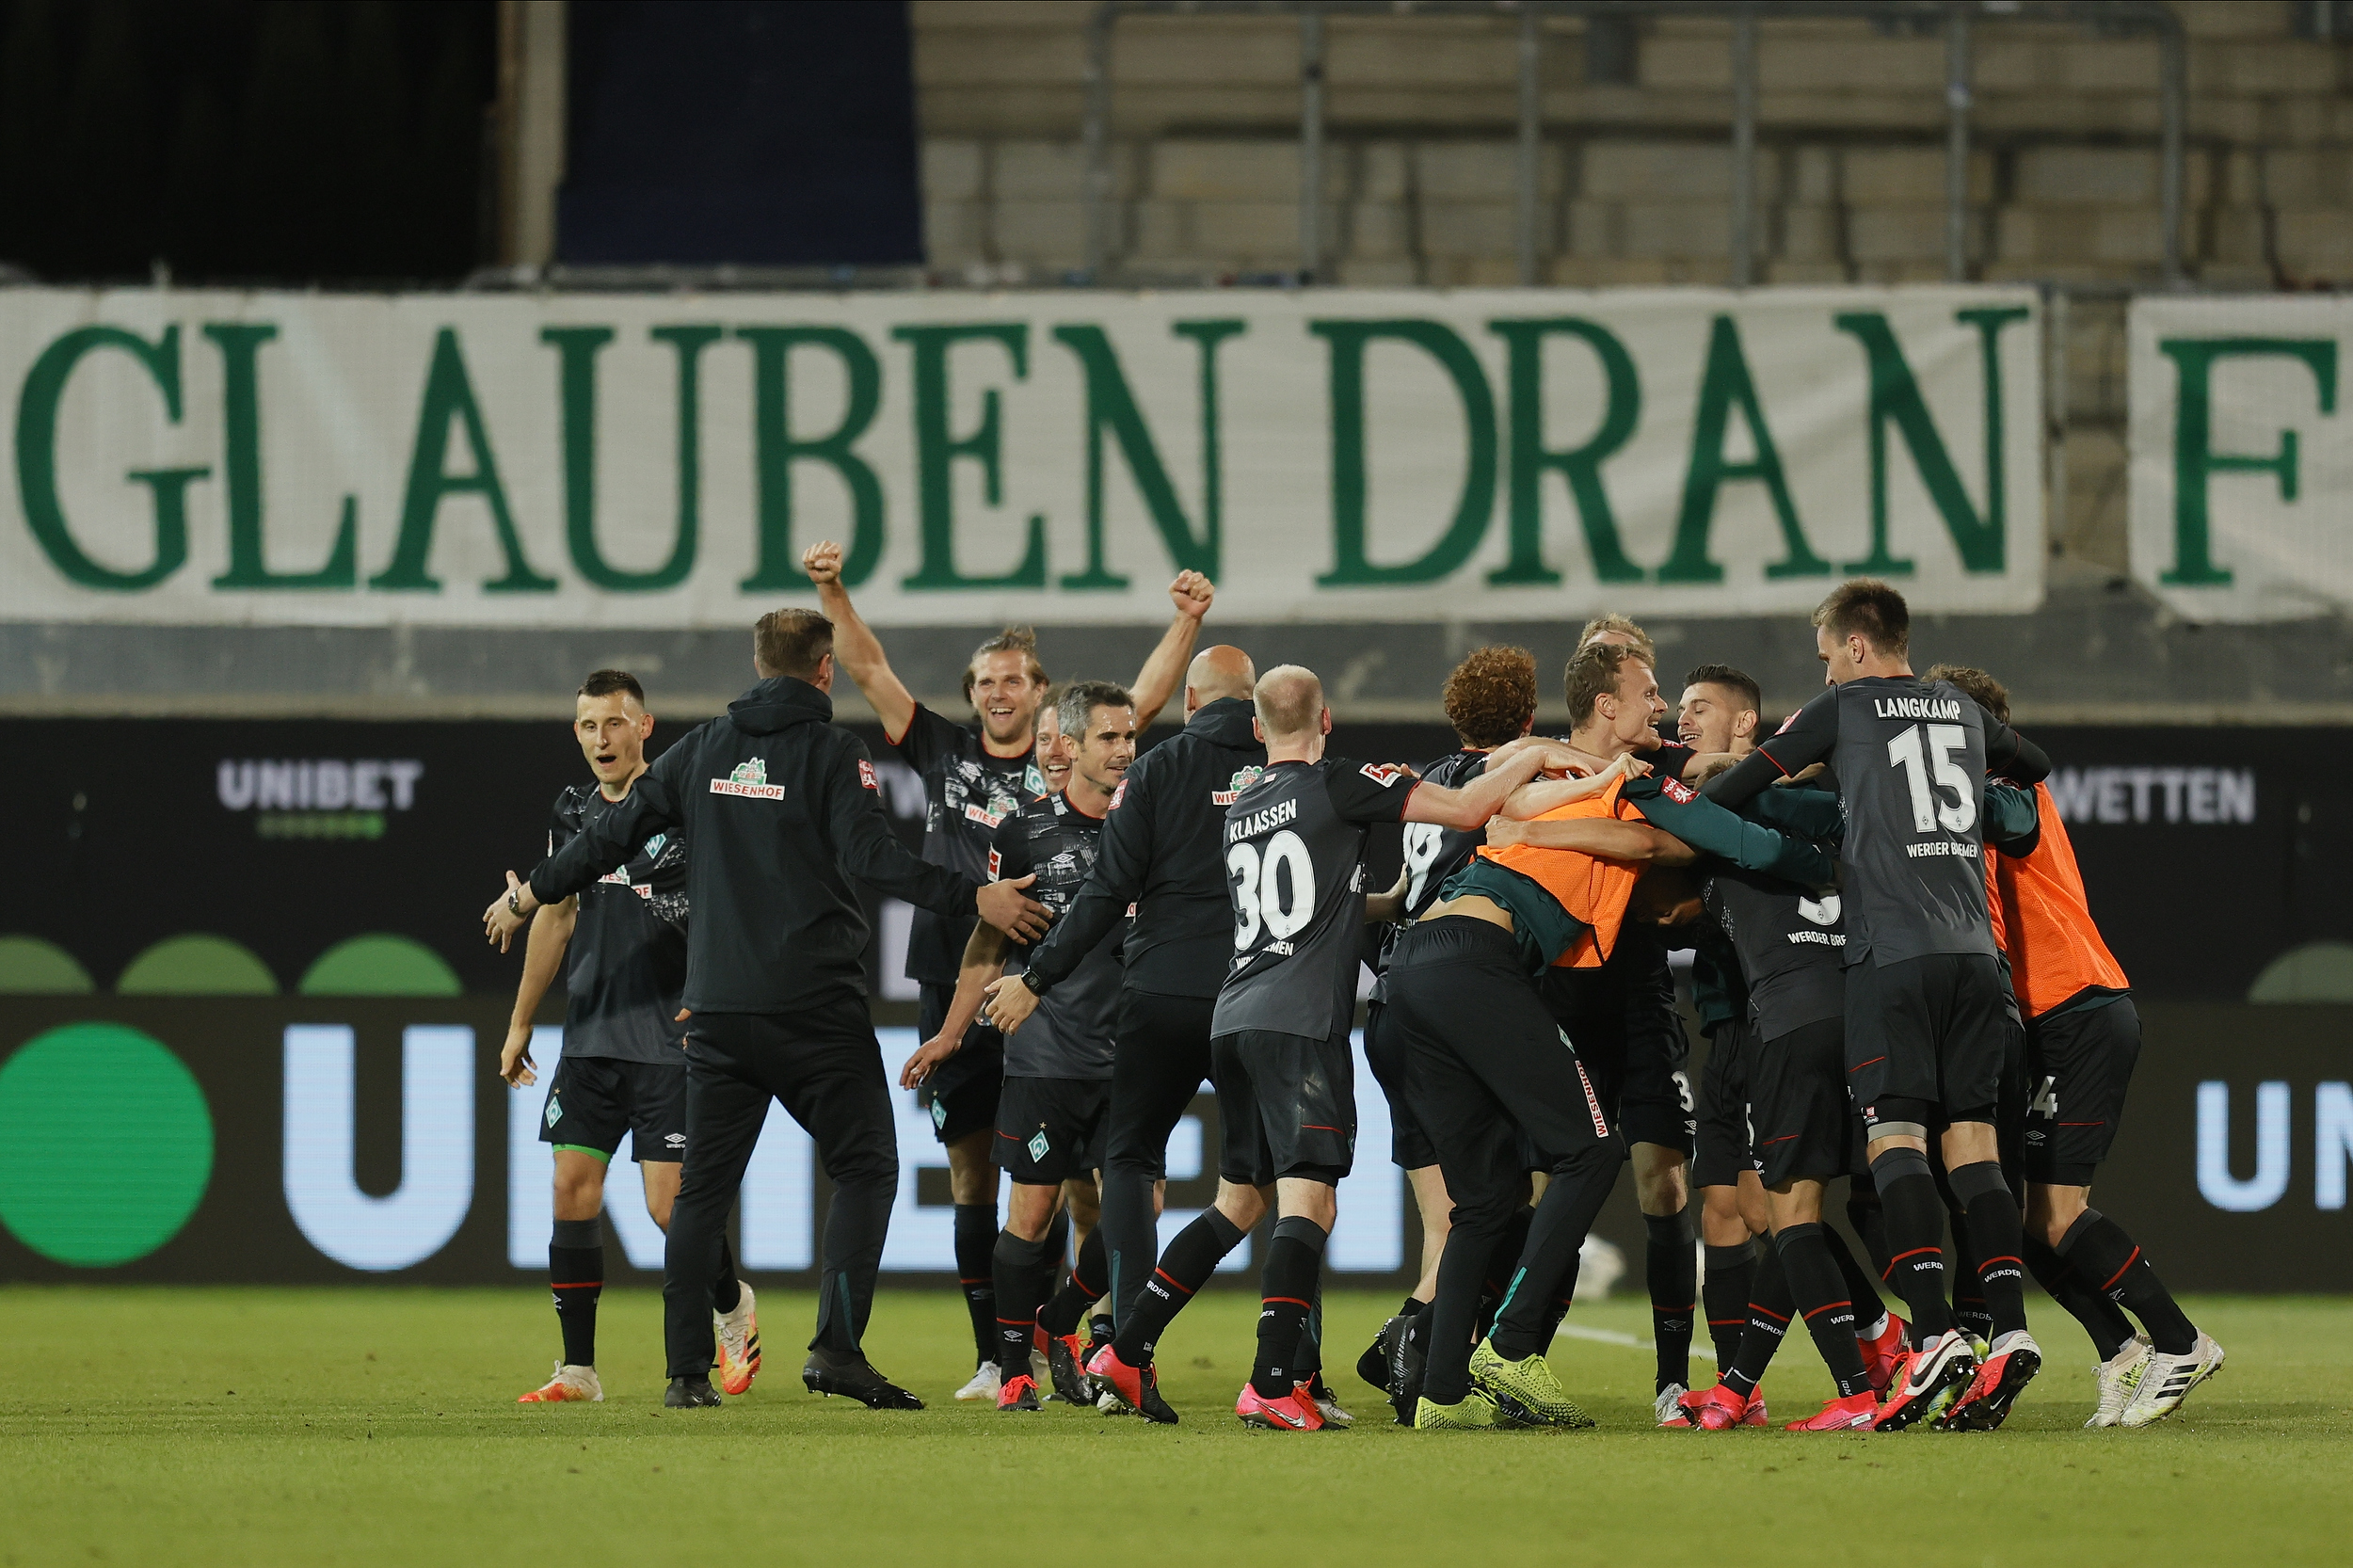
(784, 810)
(973, 780)
(1923, 1037)
(1161, 853)
(622, 1073)
(2083, 1036)
(1491, 700)
(1057, 1065)
(1280, 1052)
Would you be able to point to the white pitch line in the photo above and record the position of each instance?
(1605, 1337)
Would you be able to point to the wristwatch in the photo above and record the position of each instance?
(515, 901)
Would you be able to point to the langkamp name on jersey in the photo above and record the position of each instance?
(1915, 708)
(1260, 822)
(749, 780)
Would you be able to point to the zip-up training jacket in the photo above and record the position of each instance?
(782, 809)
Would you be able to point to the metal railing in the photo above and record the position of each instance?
(2108, 18)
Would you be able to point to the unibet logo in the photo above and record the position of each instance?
(749, 779)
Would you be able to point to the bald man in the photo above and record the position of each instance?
(1160, 854)
(1293, 854)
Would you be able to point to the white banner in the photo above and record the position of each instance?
(661, 460)
(2240, 487)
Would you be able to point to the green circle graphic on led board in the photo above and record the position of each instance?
(106, 1145)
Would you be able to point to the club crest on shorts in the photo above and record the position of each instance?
(556, 1111)
(749, 780)
(1038, 1144)
(939, 1113)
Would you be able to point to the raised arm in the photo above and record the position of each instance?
(856, 648)
(1708, 827)
(1809, 736)
(1158, 681)
(866, 848)
(1123, 856)
(1534, 799)
(2013, 756)
(602, 844)
(1604, 838)
(1472, 805)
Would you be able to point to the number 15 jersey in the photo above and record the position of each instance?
(1295, 872)
(1910, 756)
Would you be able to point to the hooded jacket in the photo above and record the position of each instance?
(1163, 851)
(782, 809)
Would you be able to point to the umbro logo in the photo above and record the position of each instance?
(675, 1140)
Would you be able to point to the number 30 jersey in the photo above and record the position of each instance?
(1295, 873)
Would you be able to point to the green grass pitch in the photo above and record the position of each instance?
(358, 1426)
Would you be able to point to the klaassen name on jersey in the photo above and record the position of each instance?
(1296, 874)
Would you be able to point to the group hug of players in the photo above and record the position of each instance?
(1894, 966)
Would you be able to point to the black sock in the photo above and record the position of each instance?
(2111, 1264)
(1310, 1356)
(1531, 1305)
(1098, 1332)
(1671, 1268)
(2102, 1319)
(1725, 1291)
(1192, 1255)
(1018, 1268)
(1476, 1249)
(1916, 1237)
(727, 1291)
(976, 1251)
(1081, 1288)
(1771, 1307)
(1862, 1285)
(1869, 1219)
(1997, 1245)
(576, 1269)
(1411, 1306)
(1970, 1313)
(1285, 1295)
(1498, 1280)
(1818, 1287)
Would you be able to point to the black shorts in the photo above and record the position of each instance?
(1284, 1103)
(1929, 1030)
(962, 1094)
(2079, 1064)
(1631, 1040)
(1050, 1130)
(1498, 1085)
(1160, 1061)
(1384, 1053)
(1806, 1125)
(592, 1100)
(1722, 1143)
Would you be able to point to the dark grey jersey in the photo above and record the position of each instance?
(626, 966)
(1911, 766)
(1296, 874)
(1792, 949)
(1070, 1034)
